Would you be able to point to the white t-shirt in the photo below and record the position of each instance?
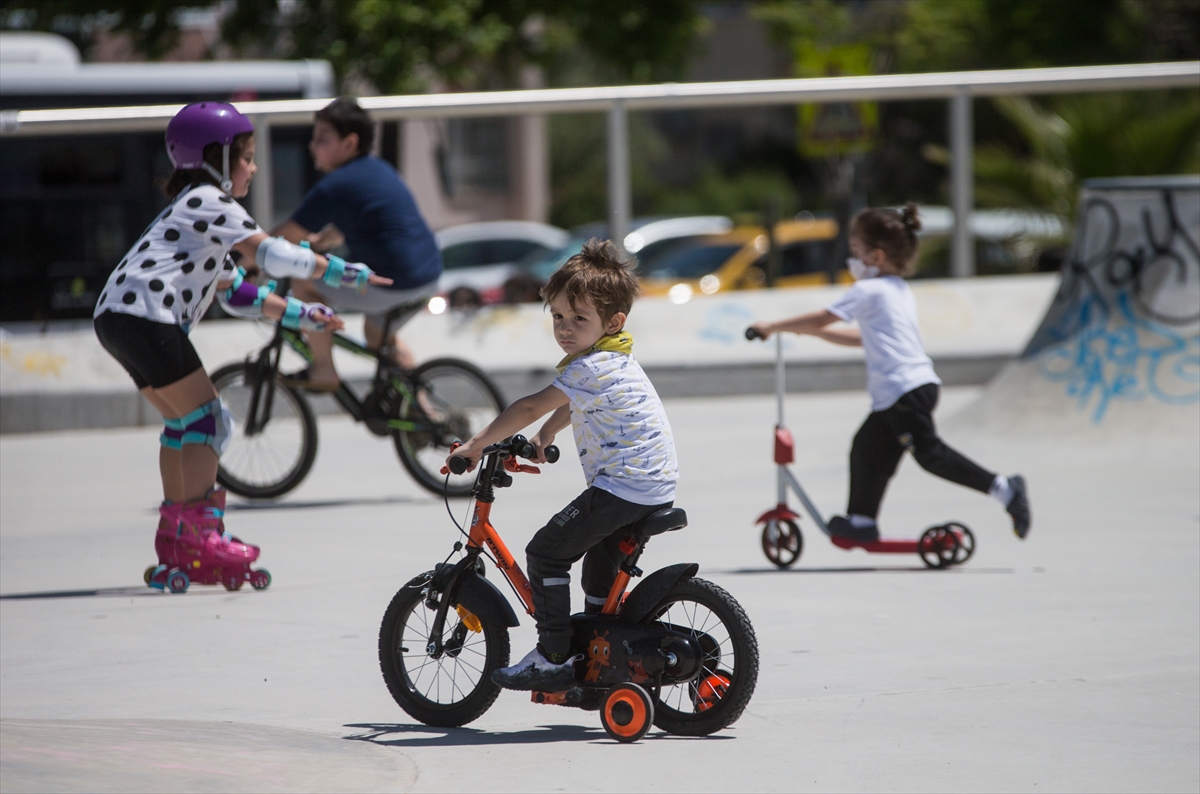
(886, 312)
(621, 430)
(170, 273)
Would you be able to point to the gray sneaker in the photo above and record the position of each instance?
(536, 672)
(1018, 506)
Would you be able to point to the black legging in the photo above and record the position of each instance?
(882, 439)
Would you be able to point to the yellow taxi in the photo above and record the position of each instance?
(738, 260)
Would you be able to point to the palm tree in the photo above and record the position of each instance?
(1082, 137)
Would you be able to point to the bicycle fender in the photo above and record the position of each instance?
(484, 599)
(653, 589)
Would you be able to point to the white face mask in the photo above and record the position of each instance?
(859, 270)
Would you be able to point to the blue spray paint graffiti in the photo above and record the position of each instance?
(1123, 326)
(1120, 356)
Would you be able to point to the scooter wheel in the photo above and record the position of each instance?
(966, 541)
(782, 542)
(260, 579)
(178, 582)
(938, 547)
(627, 712)
(233, 582)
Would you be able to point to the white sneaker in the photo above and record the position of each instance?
(535, 672)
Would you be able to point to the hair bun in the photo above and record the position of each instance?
(911, 217)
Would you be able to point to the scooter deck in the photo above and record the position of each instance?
(881, 546)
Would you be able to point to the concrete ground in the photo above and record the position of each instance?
(1069, 662)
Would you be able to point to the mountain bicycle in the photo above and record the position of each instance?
(677, 651)
(425, 410)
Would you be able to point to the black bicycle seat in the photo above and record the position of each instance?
(666, 520)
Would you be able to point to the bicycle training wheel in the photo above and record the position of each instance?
(450, 401)
(454, 688)
(719, 692)
(278, 455)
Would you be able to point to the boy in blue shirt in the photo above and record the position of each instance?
(371, 207)
(624, 443)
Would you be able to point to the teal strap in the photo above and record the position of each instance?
(335, 270)
(292, 314)
(170, 443)
(195, 416)
(362, 277)
(304, 243)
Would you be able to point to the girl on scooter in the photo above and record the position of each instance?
(157, 294)
(900, 378)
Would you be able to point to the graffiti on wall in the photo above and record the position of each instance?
(1125, 324)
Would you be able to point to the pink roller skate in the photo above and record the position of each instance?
(198, 550)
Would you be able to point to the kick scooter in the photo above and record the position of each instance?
(941, 546)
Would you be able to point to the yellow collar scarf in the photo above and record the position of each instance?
(620, 342)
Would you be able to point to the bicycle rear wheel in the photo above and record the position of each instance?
(451, 401)
(717, 695)
(278, 456)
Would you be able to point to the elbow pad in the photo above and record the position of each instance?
(244, 299)
(280, 259)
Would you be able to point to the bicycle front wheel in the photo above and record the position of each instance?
(278, 455)
(454, 688)
(450, 400)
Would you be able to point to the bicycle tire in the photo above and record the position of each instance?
(472, 404)
(406, 625)
(270, 465)
(683, 709)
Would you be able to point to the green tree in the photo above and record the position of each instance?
(1082, 137)
(398, 46)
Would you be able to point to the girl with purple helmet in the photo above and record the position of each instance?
(157, 294)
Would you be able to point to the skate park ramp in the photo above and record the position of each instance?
(1117, 356)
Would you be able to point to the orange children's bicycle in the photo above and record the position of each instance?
(677, 651)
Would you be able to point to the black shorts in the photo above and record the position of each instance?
(154, 354)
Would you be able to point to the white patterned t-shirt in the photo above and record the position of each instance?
(170, 273)
(621, 430)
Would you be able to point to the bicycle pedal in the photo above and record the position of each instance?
(572, 697)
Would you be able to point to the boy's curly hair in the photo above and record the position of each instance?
(598, 275)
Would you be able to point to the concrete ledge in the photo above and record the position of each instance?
(38, 412)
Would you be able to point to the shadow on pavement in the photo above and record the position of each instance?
(119, 592)
(430, 736)
(865, 569)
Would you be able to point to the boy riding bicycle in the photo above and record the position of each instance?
(625, 447)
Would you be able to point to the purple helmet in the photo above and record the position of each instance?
(200, 124)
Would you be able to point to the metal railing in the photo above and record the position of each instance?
(959, 88)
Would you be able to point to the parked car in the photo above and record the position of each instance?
(647, 239)
(738, 260)
(478, 258)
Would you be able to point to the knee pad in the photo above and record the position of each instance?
(211, 424)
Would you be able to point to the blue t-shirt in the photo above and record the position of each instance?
(374, 210)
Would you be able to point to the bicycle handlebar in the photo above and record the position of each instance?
(752, 334)
(517, 446)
